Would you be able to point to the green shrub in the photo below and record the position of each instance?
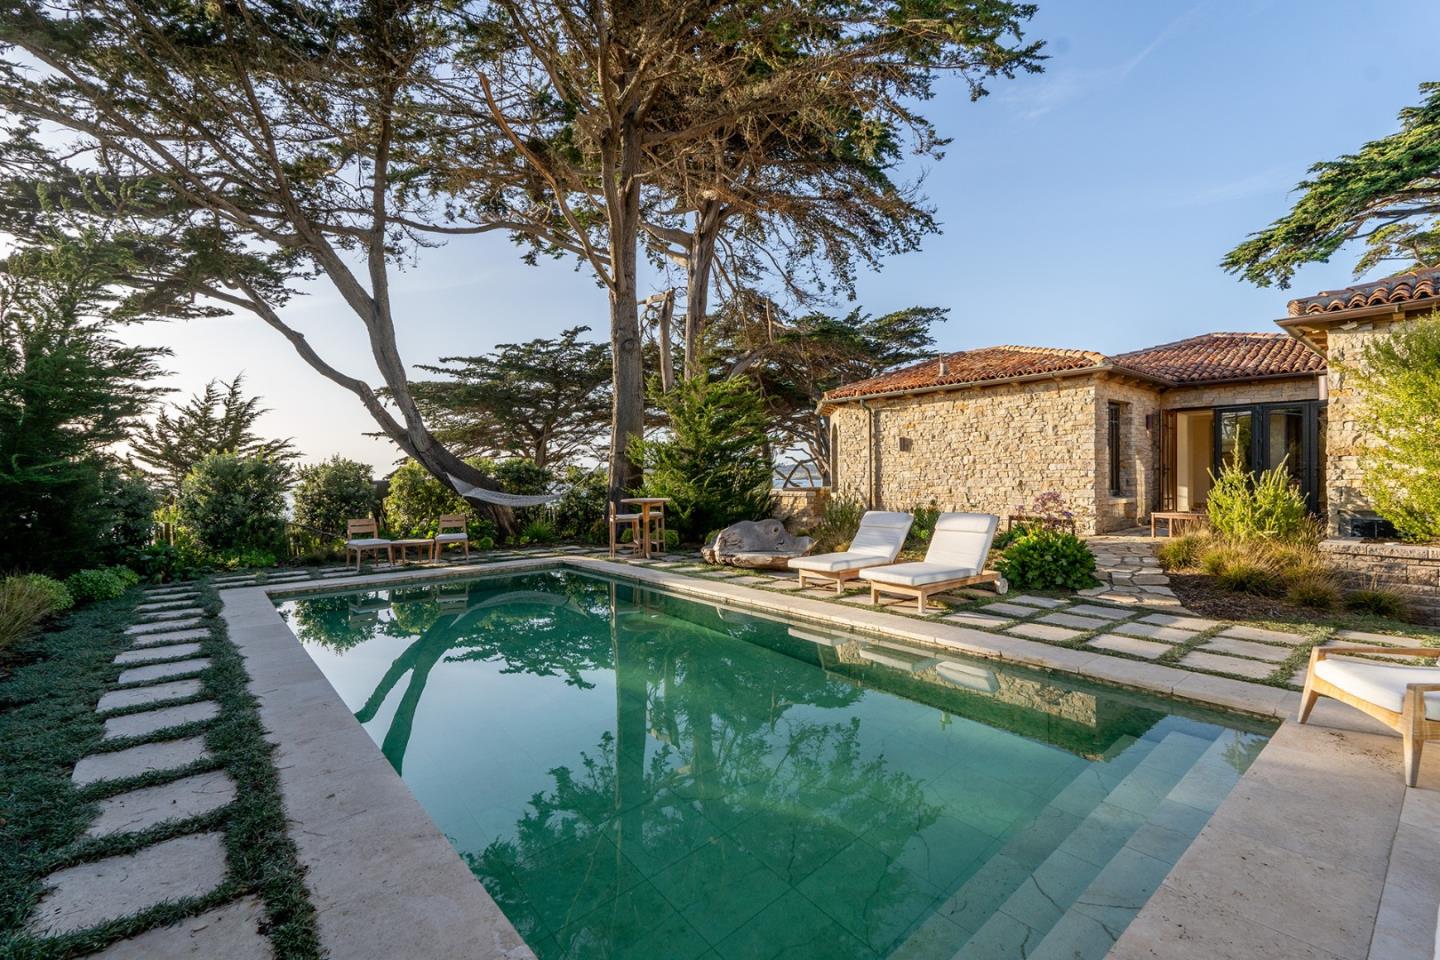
(330, 493)
(1048, 559)
(922, 528)
(24, 602)
(416, 501)
(1008, 536)
(1378, 602)
(235, 503)
(839, 522)
(1399, 378)
(1243, 507)
(1182, 553)
(162, 562)
(129, 503)
(1243, 575)
(539, 530)
(580, 512)
(713, 459)
(1316, 590)
(94, 586)
(125, 575)
(58, 599)
(247, 558)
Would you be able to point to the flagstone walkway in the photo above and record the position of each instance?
(160, 779)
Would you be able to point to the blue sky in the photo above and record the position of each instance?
(1085, 207)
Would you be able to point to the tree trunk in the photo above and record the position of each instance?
(708, 220)
(627, 420)
(667, 362)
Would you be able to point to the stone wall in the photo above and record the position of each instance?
(990, 449)
(1411, 570)
(1345, 439)
(1139, 452)
(799, 507)
(1233, 394)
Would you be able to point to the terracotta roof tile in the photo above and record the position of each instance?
(973, 366)
(1405, 287)
(1215, 357)
(1210, 358)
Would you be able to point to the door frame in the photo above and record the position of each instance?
(1260, 440)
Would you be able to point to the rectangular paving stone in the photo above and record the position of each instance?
(1070, 620)
(177, 800)
(175, 636)
(1104, 613)
(1215, 661)
(1152, 631)
(90, 894)
(154, 721)
(153, 653)
(1246, 648)
(1376, 639)
(156, 693)
(1010, 609)
(163, 605)
(984, 622)
(181, 614)
(229, 932)
(1148, 649)
(160, 671)
(1184, 623)
(1259, 633)
(1043, 631)
(135, 629)
(134, 761)
(1031, 600)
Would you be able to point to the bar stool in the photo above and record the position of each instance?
(618, 520)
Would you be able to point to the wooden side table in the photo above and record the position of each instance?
(423, 548)
(650, 507)
(1174, 519)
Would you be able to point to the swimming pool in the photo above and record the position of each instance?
(635, 774)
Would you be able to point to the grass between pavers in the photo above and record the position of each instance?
(47, 723)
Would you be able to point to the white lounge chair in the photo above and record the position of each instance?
(1404, 698)
(877, 542)
(956, 558)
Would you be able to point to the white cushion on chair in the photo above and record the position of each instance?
(917, 574)
(369, 542)
(962, 539)
(1382, 684)
(451, 537)
(835, 562)
(881, 534)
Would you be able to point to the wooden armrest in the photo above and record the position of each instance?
(1423, 687)
(1325, 651)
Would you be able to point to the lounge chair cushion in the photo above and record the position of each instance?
(1382, 684)
(368, 542)
(835, 562)
(962, 539)
(881, 534)
(451, 537)
(917, 574)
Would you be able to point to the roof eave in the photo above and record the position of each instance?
(830, 402)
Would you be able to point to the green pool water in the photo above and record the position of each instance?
(634, 774)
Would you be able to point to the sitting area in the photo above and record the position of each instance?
(363, 536)
(877, 542)
(450, 532)
(959, 549)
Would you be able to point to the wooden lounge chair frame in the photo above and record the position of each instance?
(924, 591)
(1411, 723)
(372, 529)
(450, 523)
(847, 574)
(839, 577)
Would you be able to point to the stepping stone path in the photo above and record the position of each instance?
(1246, 648)
(1129, 572)
(177, 800)
(170, 636)
(157, 693)
(135, 761)
(1010, 609)
(1070, 620)
(1148, 649)
(230, 932)
(178, 614)
(154, 721)
(1042, 631)
(1153, 631)
(1030, 600)
(161, 671)
(1265, 636)
(984, 621)
(136, 629)
(1104, 613)
(90, 894)
(1255, 669)
(153, 653)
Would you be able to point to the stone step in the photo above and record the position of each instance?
(90, 894)
(161, 671)
(156, 693)
(182, 613)
(135, 761)
(229, 932)
(154, 653)
(177, 800)
(169, 636)
(161, 606)
(137, 629)
(154, 721)
(1042, 900)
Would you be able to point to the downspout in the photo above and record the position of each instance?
(869, 455)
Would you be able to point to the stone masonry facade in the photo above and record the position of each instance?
(1345, 438)
(1408, 569)
(995, 448)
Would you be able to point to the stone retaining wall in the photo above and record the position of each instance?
(800, 507)
(1411, 570)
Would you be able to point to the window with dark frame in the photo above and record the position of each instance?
(1112, 433)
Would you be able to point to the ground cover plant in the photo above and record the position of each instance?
(1047, 559)
(47, 723)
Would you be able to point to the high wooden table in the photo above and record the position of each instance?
(1172, 518)
(649, 506)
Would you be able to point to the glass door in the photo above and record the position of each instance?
(1269, 435)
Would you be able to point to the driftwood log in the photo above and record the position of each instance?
(757, 544)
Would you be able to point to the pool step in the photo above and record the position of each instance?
(1046, 894)
(1100, 913)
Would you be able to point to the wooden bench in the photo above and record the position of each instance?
(1174, 517)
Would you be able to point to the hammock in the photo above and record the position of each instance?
(471, 492)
